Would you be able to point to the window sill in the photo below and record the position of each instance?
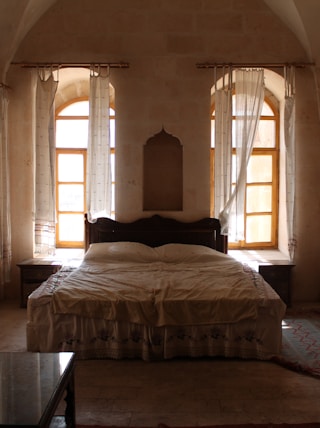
(255, 257)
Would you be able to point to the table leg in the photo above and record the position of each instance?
(70, 412)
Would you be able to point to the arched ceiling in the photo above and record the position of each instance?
(18, 16)
(287, 11)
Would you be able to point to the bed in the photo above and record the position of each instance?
(156, 288)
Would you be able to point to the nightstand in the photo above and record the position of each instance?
(277, 273)
(32, 273)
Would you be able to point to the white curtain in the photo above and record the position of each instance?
(249, 98)
(289, 137)
(98, 156)
(223, 144)
(5, 225)
(45, 164)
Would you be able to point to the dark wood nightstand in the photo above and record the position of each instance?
(32, 273)
(278, 274)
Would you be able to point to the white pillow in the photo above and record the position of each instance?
(120, 252)
(182, 253)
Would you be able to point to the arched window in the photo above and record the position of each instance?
(262, 182)
(71, 154)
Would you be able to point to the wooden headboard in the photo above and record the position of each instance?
(157, 230)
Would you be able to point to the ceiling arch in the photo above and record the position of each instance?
(287, 11)
(18, 16)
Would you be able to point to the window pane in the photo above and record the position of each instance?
(258, 229)
(112, 201)
(112, 160)
(259, 199)
(112, 133)
(72, 133)
(266, 134)
(213, 123)
(266, 110)
(234, 145)
(234, 169)
(71, 197)
(74, 174)
(259, 169)
(79, 108)
(71, 227)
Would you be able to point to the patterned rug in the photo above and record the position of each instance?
(301, 343)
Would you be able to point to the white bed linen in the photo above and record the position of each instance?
(55, 325)
(159, 293)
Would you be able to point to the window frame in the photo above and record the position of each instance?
(71, 150)
(275, 153)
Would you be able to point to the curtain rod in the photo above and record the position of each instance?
(257, 65)
(63, 65)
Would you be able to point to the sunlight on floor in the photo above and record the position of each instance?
(285, 325)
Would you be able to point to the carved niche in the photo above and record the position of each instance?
(162, 173)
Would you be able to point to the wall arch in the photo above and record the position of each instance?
(74, 83)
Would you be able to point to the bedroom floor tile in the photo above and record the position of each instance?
(179, 392)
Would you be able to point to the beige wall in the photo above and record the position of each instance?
(162, 40)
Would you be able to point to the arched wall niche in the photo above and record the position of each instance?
(162, 173)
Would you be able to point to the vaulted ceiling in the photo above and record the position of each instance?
(18, 16)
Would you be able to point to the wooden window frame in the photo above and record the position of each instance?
(66, 151)
(275, 153)
(74, 244)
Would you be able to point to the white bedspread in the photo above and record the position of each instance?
(169, 285)
(153, 273)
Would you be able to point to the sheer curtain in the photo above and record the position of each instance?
(45, 164)
(98, 154)
(223, 144)
(5, 225)
(249, 97)
(289, 137)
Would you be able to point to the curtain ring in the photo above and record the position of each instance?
(93, 71)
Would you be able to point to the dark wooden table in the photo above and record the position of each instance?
(33, 385)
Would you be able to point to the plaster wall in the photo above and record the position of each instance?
(162, 40)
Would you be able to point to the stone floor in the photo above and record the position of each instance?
(179, 392)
